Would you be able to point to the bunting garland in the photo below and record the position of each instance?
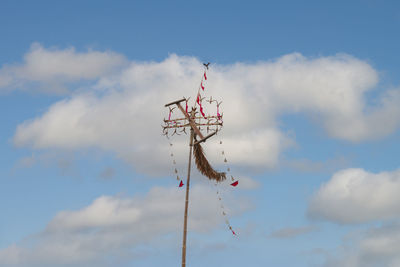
(174, 165)
(235, 182)
(226, 220)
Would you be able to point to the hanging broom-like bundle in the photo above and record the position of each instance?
(204, 166)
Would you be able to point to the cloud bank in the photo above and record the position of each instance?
(378, 246)
(114, 227)
(51, 68)
(120, 111)
(357, 196)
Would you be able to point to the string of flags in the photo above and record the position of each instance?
(234, 182)
(226, 220)
(175, 166)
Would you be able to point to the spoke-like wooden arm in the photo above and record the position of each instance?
(205, 138)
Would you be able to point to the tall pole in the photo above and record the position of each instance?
(187, 199)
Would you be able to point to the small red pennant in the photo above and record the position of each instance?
(205, 76)
(181, 184)
(235, 183)
(202, 87)
(233, 232)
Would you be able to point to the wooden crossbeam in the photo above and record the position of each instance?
(195, 118)
(175, 102)
(198, 124)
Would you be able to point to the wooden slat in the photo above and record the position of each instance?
(175, 102)
(198, 117)
(187, 125)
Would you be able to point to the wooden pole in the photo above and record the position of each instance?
(187, 199)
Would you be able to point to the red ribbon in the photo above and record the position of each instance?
(198, 99)
(181, 184)
(202, 113)
(205, 76)
(202, 87)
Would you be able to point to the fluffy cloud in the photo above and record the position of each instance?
(55, 66)
(375, 247)
(121, 112)
(114, 226)
(355, 196)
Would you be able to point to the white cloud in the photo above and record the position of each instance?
(375, 247)
(56, 66)
(113, 226)
(122, 111)
(356, 196)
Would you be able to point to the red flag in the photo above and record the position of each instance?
(198, 99)
(169, 116)
(186, 107)
(181, 184)
(202, 87)
(235, 183)
(205, 76)
(233, 232)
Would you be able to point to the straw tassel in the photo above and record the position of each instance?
(204, 166)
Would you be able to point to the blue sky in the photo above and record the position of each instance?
(312, 114)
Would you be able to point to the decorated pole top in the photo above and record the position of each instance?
(203, 125)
